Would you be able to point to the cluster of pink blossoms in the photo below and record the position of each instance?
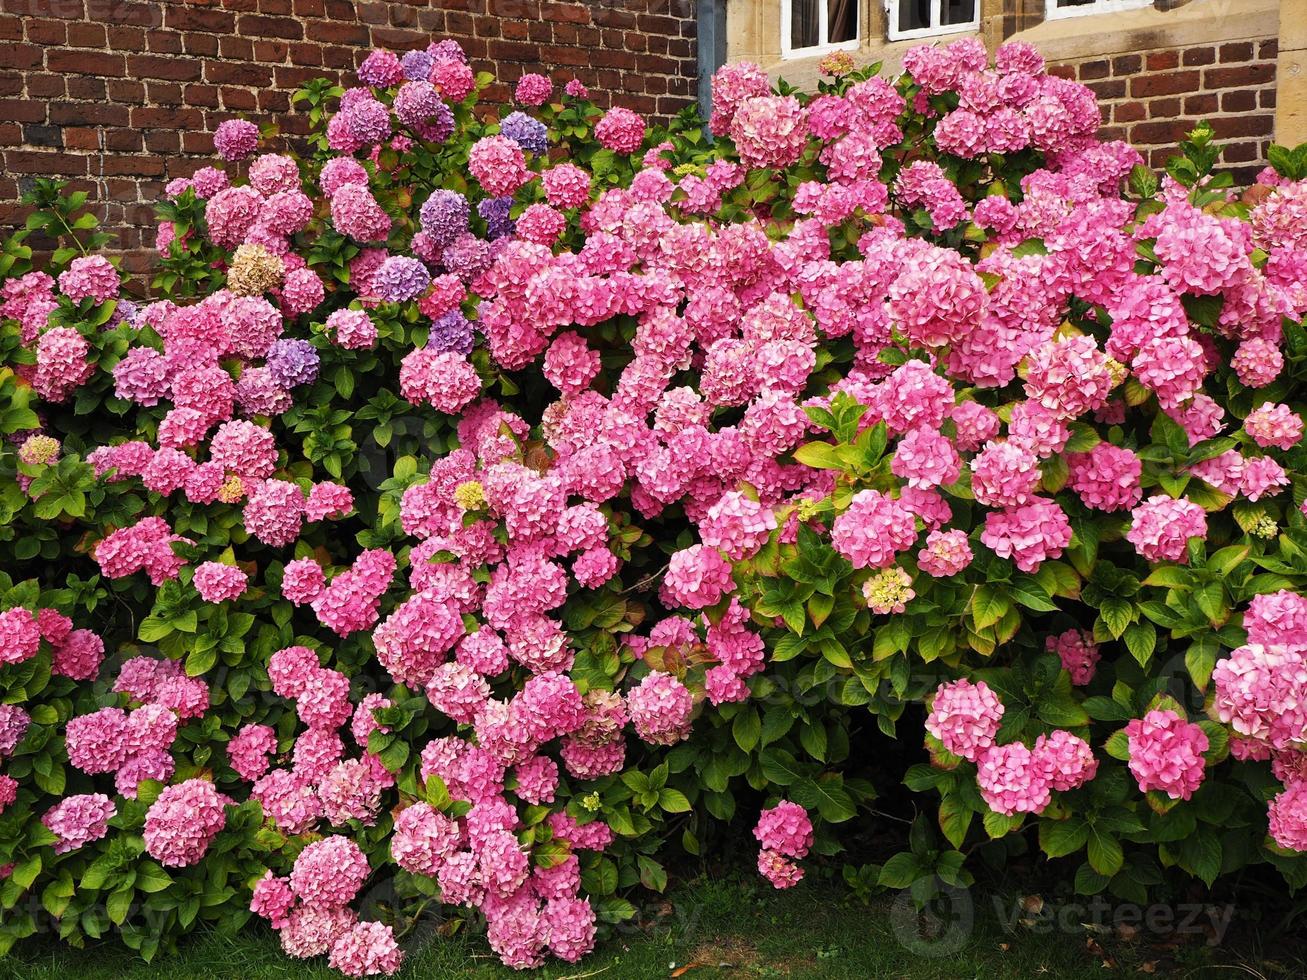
(1261, 693)
(1166, 753)
(784, 834)
(1013, 778)
(75, 653)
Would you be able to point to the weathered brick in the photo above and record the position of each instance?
(1254, 74)
(1168, 83)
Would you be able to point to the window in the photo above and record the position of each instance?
(811, 27)
(923, 18)
(1078, 8)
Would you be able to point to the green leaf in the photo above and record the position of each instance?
(819, 455)
(780, 767)
(900, 871)
(1141, 640)
(747, 728)
(152, 878)
(1058, 838)
(988, 606)
(673, 801)
(1105, 854)
(1116, 614)
(200, 661)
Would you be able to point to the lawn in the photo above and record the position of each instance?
(731, 928)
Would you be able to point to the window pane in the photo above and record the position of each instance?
(842, 20)
(804, 23)
(957, 12)
(914, 14)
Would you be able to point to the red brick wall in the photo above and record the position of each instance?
(120, 95)
(1151, 99)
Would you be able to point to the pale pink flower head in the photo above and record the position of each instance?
(1106, 478)
(786, 829)
(1064, 760)
(1274, 425)
(1160, 528)
(620, 130)
(1287, 817)
(873, 530)
(1166, 753)
(660, 708)
(1011, 780)
(946, 553)
(965, 717)
(769, 131)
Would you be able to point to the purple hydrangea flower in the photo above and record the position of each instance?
(125, 312)
(416, 65)
(448, 50)
(494, 211)
(292, 362)
(368, 121)
(467, 257)
(528, 133)
(400, 279)
(451, 333)
(416, 102)
(444, 216)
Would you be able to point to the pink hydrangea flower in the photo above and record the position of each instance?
(785, 829)
(873, 530)
(1078, 653)
(1012, 780)
(965, 717)
(1166, 753)
(1160, 528)
(182, 822)
(217, 582)
(660, 707)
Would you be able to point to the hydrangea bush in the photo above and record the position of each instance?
(487, 506)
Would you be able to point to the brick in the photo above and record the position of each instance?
(86, 62)
(1163, 108)
(32, 162)
(282, 27)
(1170, 83)
(172, 69)
(184, 17)
(1236, 52)
(1199, 56)
(1240, 100)
(54, 86)
(1238, 77)
(49, 32)
(1092, 70)
(1128, 112)
(1162, 60)
(1168, 132)
(1127, 64)
(1226, 127)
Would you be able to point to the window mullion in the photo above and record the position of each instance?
(823, 27)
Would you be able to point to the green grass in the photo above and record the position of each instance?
(728, 930)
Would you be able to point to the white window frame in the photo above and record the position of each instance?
(936, 29)
(1053, 12)
(823, 12)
